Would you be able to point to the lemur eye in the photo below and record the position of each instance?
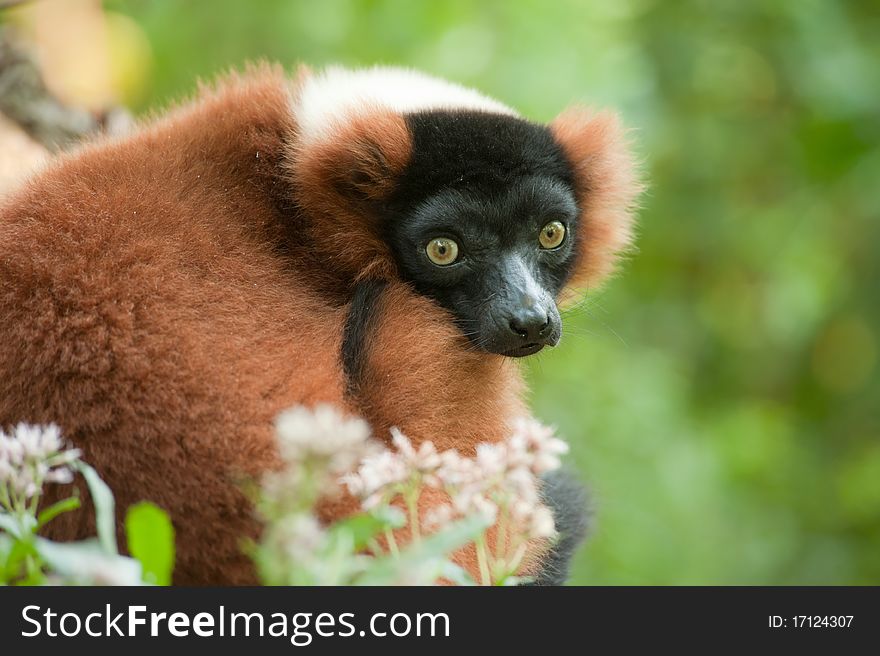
(442, 251)
(552, 235)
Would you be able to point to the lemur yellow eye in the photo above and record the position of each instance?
(552, 234)
(442, 251)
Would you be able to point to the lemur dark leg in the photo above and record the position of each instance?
(569, 502)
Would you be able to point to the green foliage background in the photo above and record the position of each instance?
(721, 395)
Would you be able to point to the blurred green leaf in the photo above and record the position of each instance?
(150, 538)
(8, 524)
(426, 561)
(364, 527)
(105, 507)
(87, 561)
(58, 508)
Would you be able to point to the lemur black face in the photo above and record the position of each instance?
(484, 222)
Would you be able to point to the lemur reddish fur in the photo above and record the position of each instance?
(164, 296)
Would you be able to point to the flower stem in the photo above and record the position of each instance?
(501, 534)
(4, 498)
(515, 561)
(392, 543)
(483, 561)
(412, 504)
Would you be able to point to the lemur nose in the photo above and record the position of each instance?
(531, 324)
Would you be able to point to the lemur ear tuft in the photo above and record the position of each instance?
(607, 187)
(360, 160)
(339, 176)
(370, 164)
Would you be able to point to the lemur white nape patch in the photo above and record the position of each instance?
(328, 99)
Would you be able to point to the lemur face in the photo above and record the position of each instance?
(491, 216)
(484, 222)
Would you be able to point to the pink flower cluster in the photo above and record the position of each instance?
(322, 433)
(31, 456)
(316, 446)
(321, 448)
(502, 479)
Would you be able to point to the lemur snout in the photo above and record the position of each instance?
(531, 329)
(527, 317)
(530, 323)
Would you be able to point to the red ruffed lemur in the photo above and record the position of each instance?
(376, 239)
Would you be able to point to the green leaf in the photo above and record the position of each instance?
(365, 526)
(88, 562)
(18, 556)
(456, 574)
(6, 542)
(150, 538)
(444, 542)
(105, 507)
(8, 524)
(393, 516)
(34, 574)
(6, 545)
(50, 513)
(424, 562)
